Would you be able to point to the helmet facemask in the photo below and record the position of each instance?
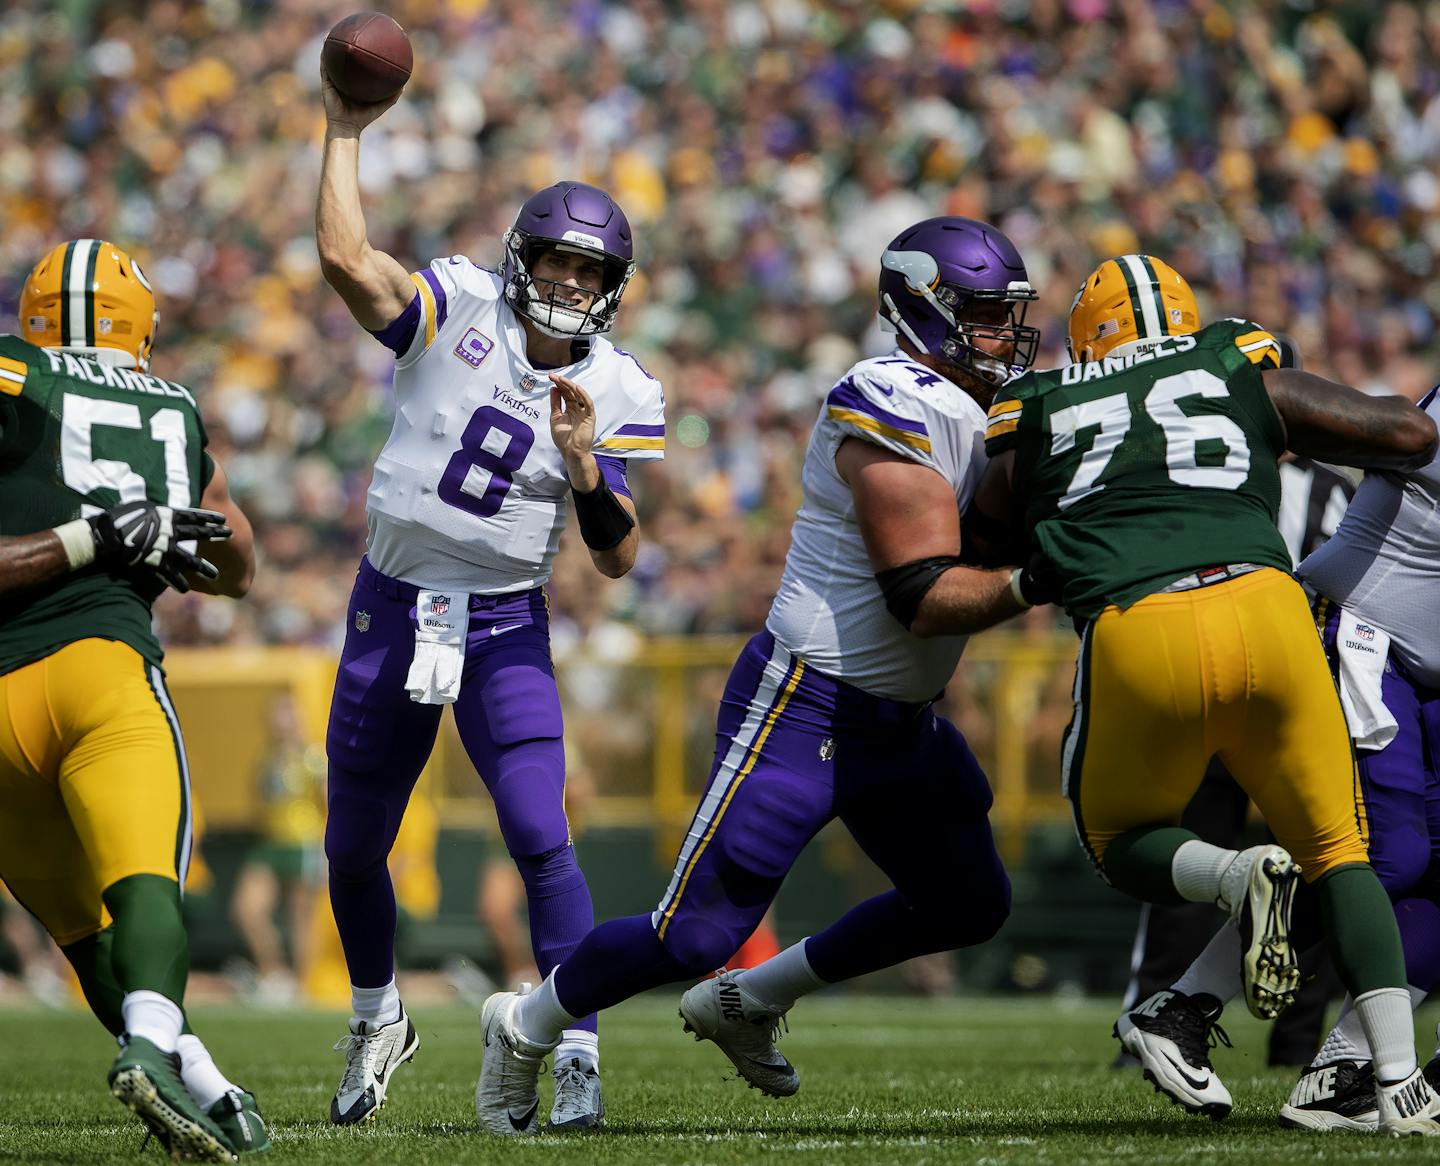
(542, 301)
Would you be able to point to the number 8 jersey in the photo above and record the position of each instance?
(77, 437)
(469, 492)
(1135, 471)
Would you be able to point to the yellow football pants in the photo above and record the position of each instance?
(93, 782)
(1235, 670)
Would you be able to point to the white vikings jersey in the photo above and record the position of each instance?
(1383, 563)
(829, 610)
(469, 492)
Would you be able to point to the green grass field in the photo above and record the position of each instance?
(885, 1081)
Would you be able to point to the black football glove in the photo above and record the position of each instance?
(142, 534)
(1040, 580)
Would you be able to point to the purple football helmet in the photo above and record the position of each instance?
(568, 216)
(936, 272)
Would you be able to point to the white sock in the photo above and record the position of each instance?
(782, 979)
(198, 1070)
(580, 1043)
(1216, 970)
(154, 1017)
(376, 1005)
(1347, 1040)
(1389, 1023)
(1197, 868)
(540, 1016)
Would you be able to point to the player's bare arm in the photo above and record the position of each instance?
(234, 557)
(27, 560)
(375, 286)
(572, 425)
(1335, 423)
(911, 525)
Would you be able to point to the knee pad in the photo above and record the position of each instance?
(358, 837)
(700, 945)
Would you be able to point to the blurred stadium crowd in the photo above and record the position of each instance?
(1284, 156)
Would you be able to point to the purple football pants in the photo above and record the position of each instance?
(508, 715)
(1401, 789)
(795, 749)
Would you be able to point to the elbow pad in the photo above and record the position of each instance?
(906, 586)
(604, 523)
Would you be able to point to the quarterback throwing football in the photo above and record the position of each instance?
(509, 403)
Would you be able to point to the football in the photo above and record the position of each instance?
(367, 57)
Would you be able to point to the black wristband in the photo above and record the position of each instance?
(904, 587)
(604, 523)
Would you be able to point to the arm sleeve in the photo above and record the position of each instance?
(1001, 424)
(881, 412)
(639, 436)
(614, 471)
(415, 329)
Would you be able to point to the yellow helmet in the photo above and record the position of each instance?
(1129, 298)
(88, 294)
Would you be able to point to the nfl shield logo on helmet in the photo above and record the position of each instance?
(362, 621)
(440, 605)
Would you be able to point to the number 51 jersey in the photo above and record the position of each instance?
(469, 491)
(77, 437)
(1135, 471)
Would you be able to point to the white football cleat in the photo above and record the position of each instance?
(372, 1054)
(1337, 1096)
(1171, 1035)
(507, 1097)
(745, 1030)
(1257, 890)
(578, 1103)
(1408, 1108)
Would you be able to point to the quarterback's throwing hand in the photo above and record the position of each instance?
(142, 534)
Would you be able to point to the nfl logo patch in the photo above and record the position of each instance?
(440, 605)
(362, 621)
(103, 325)
(1364, 631)
(527, 381)
(474, 347)
(1175, 315)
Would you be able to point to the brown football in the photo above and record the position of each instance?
(367, 57)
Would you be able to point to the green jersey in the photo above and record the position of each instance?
(76, 437)
(1136, 471)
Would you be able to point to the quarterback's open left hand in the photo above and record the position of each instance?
(143, 534)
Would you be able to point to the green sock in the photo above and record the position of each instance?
(150, 949)
(1360, 929)
(90, 957)
(1138, 862)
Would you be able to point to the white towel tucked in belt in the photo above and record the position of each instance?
(440, 622)
(1362, 649)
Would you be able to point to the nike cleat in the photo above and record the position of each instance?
(1408, 1108)
(147, 1081)
(238, 1116)
(1337, 1096)
(744, 1029)
(578, 1103)
(1171, 1034)
(372, 1054)
(507, 1096)
(1258, 890)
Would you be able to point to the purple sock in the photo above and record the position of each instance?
(561, 914)
(885, 931)
(617, 960)
(1419, 921)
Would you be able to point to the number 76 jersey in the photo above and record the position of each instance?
(469, 492)
(1138, 470)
